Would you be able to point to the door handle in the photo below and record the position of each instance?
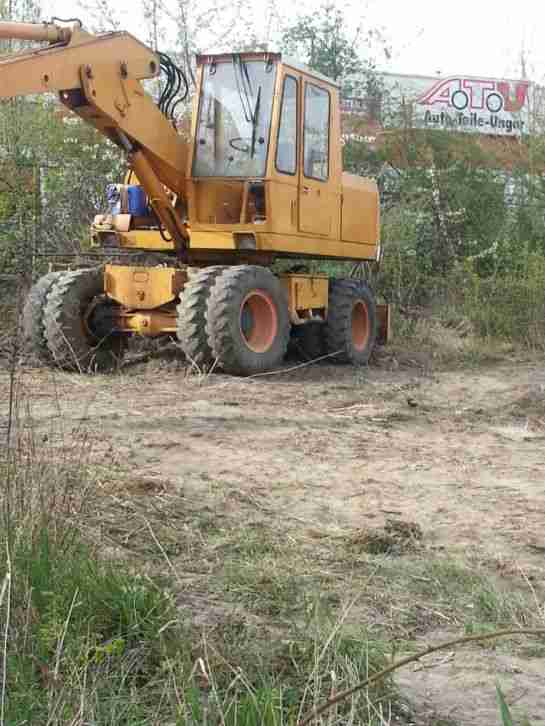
(306, 190)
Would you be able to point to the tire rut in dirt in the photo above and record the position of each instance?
(351, 327)
(71, 345)
(34, 338)
(191, 322)
(252, 298)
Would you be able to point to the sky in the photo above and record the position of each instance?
(426, 38)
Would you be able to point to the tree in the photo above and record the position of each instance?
(328, 43)
(53, 171)
(325, 42)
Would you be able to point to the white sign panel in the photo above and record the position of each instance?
(457, 103)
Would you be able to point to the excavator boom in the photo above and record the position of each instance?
(56, 67)
(38, 32)
(98, 78)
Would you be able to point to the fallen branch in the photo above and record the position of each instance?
(343, 695)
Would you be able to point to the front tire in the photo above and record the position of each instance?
(35, 342)
(191, 323)
(351, 328)
(76, 324)
(248, 323)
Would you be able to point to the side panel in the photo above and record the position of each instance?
(316, 209)
(222, 238)
(143, 288)
(283, 200)
(306, 292)
(360, 210)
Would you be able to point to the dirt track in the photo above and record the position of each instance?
(461, 453)
(331, 449)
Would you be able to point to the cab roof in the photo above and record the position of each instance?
(265, 57)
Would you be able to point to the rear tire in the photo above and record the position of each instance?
(191, 324)
(35, 343)
(72, 342)
(248, 323)
(351, 327)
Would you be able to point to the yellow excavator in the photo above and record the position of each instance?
(190, 239)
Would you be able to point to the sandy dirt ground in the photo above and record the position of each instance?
(460, 452)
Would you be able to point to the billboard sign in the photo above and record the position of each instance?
(457, 103)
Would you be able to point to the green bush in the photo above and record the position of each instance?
(508, 304)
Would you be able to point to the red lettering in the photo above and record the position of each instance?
(513, 104)
(440, 92)
(477, 90)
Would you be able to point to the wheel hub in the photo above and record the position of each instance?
(360, 325)
(258, 321)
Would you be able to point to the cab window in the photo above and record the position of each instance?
(286, 149)
(316, 132)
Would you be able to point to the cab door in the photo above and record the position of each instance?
(284, 167)
(317, 198)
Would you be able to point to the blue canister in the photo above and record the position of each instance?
(137, 201)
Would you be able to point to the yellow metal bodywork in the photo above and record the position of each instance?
(360, 213)
(305, 293)
(226, 239)
(56, 67)
(334, 218)
(143, 288)
(151, 323)
(37, 32)
(121, 103)
(147, 239)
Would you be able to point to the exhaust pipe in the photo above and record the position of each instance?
(39, 32)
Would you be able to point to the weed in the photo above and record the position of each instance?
(505, 712)
(462, 314)
(415, 593)
(397, 537)
(92, 640)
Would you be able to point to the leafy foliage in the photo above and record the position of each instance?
(321, 40)
(53, 183)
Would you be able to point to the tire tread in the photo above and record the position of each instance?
(223, 320)
(191, 322)
(342, 295)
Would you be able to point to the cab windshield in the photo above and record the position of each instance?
(234, 119)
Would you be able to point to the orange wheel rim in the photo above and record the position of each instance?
(258, 321)
(360, 325)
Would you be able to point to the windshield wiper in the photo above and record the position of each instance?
(244, 88)
(254, 122)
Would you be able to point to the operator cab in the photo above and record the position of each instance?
(261, 149)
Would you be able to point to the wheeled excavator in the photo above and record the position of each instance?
(191, 238)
